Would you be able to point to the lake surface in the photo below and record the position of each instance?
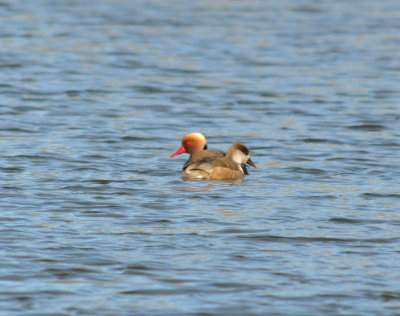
(95, 96)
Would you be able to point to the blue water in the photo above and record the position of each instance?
(95, 96)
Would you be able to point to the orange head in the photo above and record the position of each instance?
(191, 143)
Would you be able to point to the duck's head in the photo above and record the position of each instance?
(240, 154)
(192, 143)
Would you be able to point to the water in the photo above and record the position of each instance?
(95, 219)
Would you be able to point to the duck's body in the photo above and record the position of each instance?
(228, 167)
(203, 155)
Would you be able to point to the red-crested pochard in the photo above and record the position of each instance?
(230, 167)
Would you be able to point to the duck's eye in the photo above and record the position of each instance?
(205, 147)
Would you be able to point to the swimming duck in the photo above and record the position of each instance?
(232, 166)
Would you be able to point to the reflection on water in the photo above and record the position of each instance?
(95, 217)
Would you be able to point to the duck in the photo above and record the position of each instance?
(195, 144)
(232, 166)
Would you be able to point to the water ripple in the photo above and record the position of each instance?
(95, 217)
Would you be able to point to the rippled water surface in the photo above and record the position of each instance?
(95, 96)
